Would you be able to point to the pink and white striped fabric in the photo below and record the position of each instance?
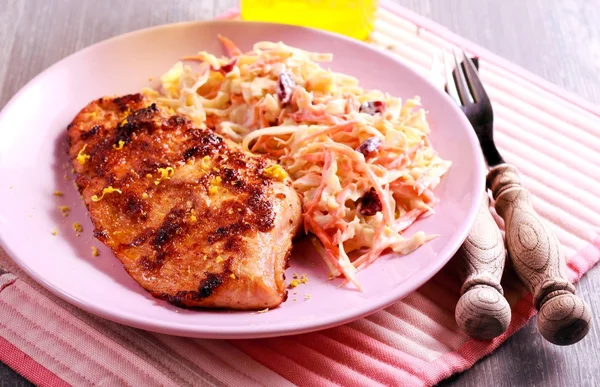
(413, 342)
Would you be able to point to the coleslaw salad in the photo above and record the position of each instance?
(360, 160)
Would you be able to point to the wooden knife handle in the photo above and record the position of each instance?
(482, 311)
(536, 255)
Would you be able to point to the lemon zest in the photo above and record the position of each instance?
(105, 191)
(125, 122)
(275, 172)
(82, 157)
(120, 146)
(165, 174)
(214, 183)
(298, 280)
(65, 210)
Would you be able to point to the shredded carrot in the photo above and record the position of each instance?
(230, 47)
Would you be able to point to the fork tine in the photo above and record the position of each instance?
(475, 85)
(450, 85)
(461, 83)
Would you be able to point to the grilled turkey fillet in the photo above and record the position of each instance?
(194, 219)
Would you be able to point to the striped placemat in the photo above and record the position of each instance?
(413, 342)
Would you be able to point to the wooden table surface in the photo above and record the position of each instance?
(558, 40)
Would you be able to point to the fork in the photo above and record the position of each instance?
(482, 312)
(535, 252)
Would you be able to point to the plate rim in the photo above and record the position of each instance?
(259, 330)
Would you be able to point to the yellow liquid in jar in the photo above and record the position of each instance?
(354, 18)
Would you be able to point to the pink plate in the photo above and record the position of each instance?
(33, 164)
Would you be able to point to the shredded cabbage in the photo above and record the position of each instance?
(360, 159)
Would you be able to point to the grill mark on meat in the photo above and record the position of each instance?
(229, 230)
(137, 121)
(133, 206)
(236, 161)
(210, 283)
(141, 238)
(172, 226)
(211, 139)
(205, 289)
(191, 152)
(99, 157)
(208, 144)
(263, 214)
(153, 264)
(175, 121)
(124, 101)
(259, 215)
(230, 175)
(91, 133)
(233, 244)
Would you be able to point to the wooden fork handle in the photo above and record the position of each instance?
(482, 311)
(536, 255)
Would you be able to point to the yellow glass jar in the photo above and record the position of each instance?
(354, 18)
